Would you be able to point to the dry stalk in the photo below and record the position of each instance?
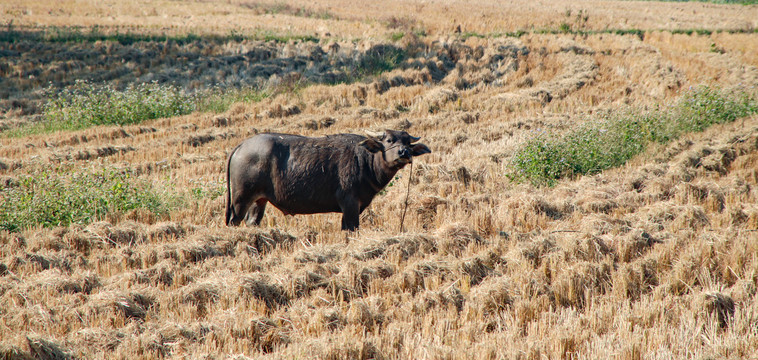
(407, 194)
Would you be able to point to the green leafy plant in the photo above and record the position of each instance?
(605, 143)
(205, 190)
(564, 28)
(396, 36)
(78, 34)
(47, 198)
(87, 105)
(379, 59)
(384, 191)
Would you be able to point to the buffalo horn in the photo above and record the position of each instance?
(377, 135)
(414, 139)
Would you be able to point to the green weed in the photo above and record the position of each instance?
(88, 105)
(282, 38)
(204, 190)
(609, 142)
(396, 36)
(470, 34)
(375, 61)
(49, 198)
(78, 34)
(379, 59)
(281, 8)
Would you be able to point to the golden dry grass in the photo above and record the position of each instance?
(656, 259)
(368, 20)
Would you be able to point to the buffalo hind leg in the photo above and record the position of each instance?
(235, 213)
(237, 210)
(255, 212)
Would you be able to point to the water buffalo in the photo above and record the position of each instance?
(307, 175)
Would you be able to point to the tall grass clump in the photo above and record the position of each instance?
(609, 142)
(46, 198)
(86, 105)
(379, 59)
(77, 34)
(369, 65)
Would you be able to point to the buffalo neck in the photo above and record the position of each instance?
(383, 173)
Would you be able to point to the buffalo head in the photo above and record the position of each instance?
(397, 147)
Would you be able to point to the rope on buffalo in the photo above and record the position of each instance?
(407, 193)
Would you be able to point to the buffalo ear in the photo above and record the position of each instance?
(372, 145)
(420, 149)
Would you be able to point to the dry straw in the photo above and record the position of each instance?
(653, 259)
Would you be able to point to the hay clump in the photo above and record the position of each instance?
(691, 217)
(439, 300)
(309, 278)
(368, 313)
(364, 351)
(718, 305)
(264, 334)
(280, 111)
(100, 339)
(11, 352)
(166, 230)
(319, 255)
(534, 251)
(633, 245)
(60, 282)
(159, 274)
(134, 306)
(197, 251)
(44, 349)
(592, 248)
(455, 238)
(201, 294)
(103, 233)
(198, 140)
(441, 96)
(266, 241)
(260, 287)
(400, 247)
(475, 270)
(574, 285)
(427, 212)
(491, 296)
(633, 280)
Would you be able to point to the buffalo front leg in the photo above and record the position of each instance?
(350, 215)
(255, 212)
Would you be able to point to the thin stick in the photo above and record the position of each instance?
(407, 193)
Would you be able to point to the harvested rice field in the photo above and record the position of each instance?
(592, 190)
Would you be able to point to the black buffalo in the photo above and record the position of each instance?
(306, 175)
